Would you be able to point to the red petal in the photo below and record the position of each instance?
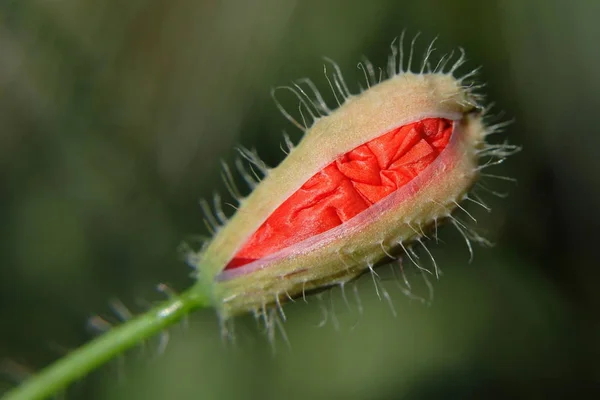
(348, 186)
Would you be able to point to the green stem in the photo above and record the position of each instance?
(80, 362)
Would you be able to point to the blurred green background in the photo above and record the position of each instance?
(114, 116)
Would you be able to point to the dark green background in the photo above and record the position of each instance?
(114, 116)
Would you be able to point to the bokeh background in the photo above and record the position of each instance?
(114, 116)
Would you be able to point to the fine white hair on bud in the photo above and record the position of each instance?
(371, 178)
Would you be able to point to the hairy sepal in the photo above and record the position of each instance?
(343, 253)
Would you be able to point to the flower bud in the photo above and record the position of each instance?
(367, 179)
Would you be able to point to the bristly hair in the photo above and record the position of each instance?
(312, 106)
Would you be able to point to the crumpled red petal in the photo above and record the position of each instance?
(348, 186)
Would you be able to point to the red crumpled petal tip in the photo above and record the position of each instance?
(348, 186)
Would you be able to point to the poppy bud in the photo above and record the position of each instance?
(367, 180)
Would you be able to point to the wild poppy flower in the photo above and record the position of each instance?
(368, 180)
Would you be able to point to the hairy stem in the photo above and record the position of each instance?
(80, 362)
